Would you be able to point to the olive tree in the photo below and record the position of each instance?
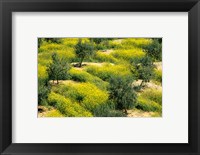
(58, 69)
(154, 50)
(83, 49)
(122, 92)
(143, 69)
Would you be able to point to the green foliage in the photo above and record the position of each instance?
(58, 69)
(53, 40)
(43, 91)
(100, 40)
(154, 50)
(122, 92)
(143, 69)
(107, 71)
(67, 107)
(106, 110)
(83, 49)
(39, 42)
(101, 43)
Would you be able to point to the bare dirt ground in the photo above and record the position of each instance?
(158, 65)
(148, 85)
(139, 113)
(62, 82)
(87, 64)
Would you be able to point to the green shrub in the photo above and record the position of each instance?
(101, 43)
(154, 50)
(43, 91)
(67, 107)
(107, 111)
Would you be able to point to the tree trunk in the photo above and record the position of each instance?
(57, 81)
(80, 64)
(141, 83)
(125, 110)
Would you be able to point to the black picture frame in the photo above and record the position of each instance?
(9, 6)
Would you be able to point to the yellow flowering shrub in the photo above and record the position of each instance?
(67, 54)
(50, 47)
(53, 113)
(83, 76)
(106, 71)
(88, 95)
(150, 100)
(158, 75)
(128, 54)
(148, 105)
(67, 107)
(42, 74)
(152, 94)
(135, 42)
(70, 42)
(102, 57)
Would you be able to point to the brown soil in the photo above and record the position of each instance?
(139, 113)
(158, 65)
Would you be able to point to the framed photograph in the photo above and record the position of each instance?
(99, 77)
